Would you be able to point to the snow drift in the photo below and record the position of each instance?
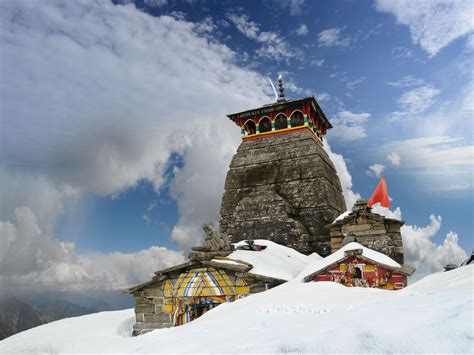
(432, 315)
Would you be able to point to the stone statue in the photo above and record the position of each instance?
(214, 241)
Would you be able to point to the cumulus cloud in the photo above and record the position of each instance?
(420, 251)
(273, 46)
(122, 117)
(424, 254)
(376, 170)
(344, 176)
(394, 158)
(31, 258)
(433, 24)
(302, 30)
(198, 186)
(332, 37)
(349, 126)
(90, 109)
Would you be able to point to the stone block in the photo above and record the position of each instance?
(144, 308)
(154, 292)
(139, 317)
(256, 288)
(392, 227)
(157, 318)
(142, 300)
(353, 228)
(371, 232)
(158, 300)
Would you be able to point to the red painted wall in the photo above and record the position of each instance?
(357, 272)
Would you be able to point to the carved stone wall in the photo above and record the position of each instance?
(282, 188)
(155, 309)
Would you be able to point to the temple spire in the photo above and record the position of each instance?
(281, 89)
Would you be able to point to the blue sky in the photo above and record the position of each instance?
(115, 139)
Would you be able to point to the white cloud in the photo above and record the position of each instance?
(344, 176)
(199, 185)
(116, 121)
(317, 62)
(440, 163)
(349, 126)
(414, 102)
(332, 37)
(156, 3)
(273, 45)
(376, 170)
(322, 96)
(295, 6)
(31, 259)
(302, 30)
(419, 249)
(433, 24)
(402, 53)
(87, 109)
(424, 254)
(291, 86)
(394, 158)
(407, 81)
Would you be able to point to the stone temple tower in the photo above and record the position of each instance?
(281, 184)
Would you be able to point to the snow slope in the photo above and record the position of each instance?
(432, 315)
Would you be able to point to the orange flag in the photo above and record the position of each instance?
(380, 195)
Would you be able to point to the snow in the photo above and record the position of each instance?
(226, 261)
(434, 315)
(342, 216)
(276, 260)
(338, 255)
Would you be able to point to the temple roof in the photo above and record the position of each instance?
(279, 106)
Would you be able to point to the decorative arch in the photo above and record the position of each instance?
(297, 118)
(265, 124)
(250, 127)
(281, 121)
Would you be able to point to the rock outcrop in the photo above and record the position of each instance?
(283, 188)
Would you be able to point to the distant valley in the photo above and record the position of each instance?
(22, 312)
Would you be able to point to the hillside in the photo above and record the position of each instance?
(17, 316)
(20, 312)
(432, 315)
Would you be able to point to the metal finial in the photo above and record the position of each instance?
(281, 89)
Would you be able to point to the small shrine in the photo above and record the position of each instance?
(354, 265)
(370, 229)
(182, 293)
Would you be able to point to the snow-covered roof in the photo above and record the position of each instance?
(373, 255)
(275, 260)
